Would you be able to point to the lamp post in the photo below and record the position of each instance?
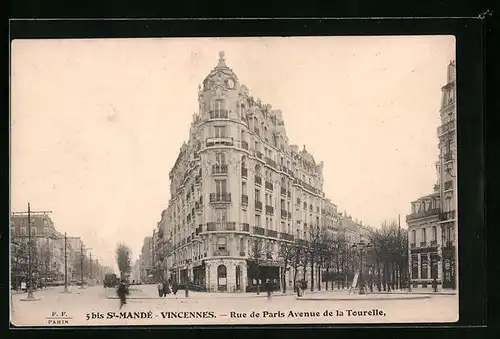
(362, 246)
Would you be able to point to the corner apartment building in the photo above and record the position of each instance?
(236, 179)
(432, 225)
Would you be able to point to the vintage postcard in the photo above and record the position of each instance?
(226, 181)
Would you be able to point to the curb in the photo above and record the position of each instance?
(360, 299)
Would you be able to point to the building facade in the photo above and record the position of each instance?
(146, 259)
(235, 180)
(432, 224)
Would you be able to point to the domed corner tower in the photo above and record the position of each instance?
(219, 94)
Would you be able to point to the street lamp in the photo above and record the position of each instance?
(362, 246)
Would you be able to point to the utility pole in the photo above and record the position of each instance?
(30, 279)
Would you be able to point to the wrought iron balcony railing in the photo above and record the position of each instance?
(220, 197)
(422, 214)
(219, 141)
(258, 230)
(219, 114)
(221, 226)
(272, 233)
(219, 169)
(269, 210)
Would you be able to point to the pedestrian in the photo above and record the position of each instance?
(434, 285)
(268, 288)
(160, 289)
(166, 289)
(122, 292)
(174, 287)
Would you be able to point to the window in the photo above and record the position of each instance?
(220, 158)
(414, 236)
(220, 131)
(221, 215)
(257, 195)
(219, 104)
(244, 188)
(23, 230)
(221, 244)
(283, 229)
(257, 220)
(282, 204)
(13, 230)
(220, 186)
(423, 235)
(434, 233)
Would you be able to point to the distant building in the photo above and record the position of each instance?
(433, 220)
(146, 259)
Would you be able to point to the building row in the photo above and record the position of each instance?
(237, 178)
(50, 252)
(432, 224)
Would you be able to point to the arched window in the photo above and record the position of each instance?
(219, 109)
(257, 169)
(243, 162)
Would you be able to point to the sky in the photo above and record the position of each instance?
(96, 125)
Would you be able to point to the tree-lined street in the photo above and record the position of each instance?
(399, 307)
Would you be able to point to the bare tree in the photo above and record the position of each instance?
(314, 248)
(287, 254)
(123, 254)
(256, 252)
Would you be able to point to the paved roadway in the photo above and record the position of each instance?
(96, 301)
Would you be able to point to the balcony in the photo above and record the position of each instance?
(221, 226)
(272, 233)
(221, 253)
(434, 243)
(271, 162)
(219, 169)
(219, 114)
(286, 236)
(258, 230)
(244, 199)
(220, 198)
(283, 191)
(284, 214)
(423, 244)
(448, 156)
(446, 127)
(448, 185)
(258, 205)
(447, 216)
(244, 172)
(269, 210)
(244, 145)
(269, 185)
(219, 141)
(258, 180)
(245, 227)
(423, 214)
